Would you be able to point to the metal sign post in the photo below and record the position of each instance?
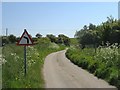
(25, 60)
(25, 41)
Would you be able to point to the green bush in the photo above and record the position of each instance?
(13, 69)
(92, 66)
(102, 71)
(103, 64)
(113, 80)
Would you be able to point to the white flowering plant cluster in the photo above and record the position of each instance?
(32, 56)
(13, 66)
(104, 63)
(109, 55)
(108, 59)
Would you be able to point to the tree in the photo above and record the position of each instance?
(67, 42)
(51, 37)
(92, 27)
(110, 19)
(4, 40)
(38, 35)
(108, 31)
(12, 38)
(85, 27)
(62, 39)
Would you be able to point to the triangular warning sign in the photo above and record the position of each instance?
(25, 39)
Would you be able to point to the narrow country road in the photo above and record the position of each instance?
(59, 72)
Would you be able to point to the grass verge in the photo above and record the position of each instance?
(103, 64)
(13, 69)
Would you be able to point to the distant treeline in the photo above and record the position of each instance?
(95, 35)
(106, 32)
(61, 39)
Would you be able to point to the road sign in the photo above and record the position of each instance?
(25, 39)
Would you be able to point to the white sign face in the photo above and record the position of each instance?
(25, 39)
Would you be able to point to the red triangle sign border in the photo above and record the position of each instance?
(25, 31)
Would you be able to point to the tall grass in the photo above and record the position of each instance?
(13, 69)
(104, 63)
(1, 67)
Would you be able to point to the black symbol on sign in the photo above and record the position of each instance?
(26, 39)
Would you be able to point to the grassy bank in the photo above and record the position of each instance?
(103, 64)
(0, 67)
(13, 69)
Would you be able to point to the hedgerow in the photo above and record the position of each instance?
(104, 63)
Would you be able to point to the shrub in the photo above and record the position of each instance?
(103, 64)
(113, 80)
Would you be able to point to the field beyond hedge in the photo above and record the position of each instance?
(104, 63)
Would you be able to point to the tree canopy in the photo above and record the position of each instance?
(38, 35)
(108, 31)
(61, 39)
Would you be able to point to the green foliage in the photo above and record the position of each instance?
(73, 41)
(103, 64)
(8, 39)
(13, 69)
(4, 40)
(38, 35)
(61, 39)
(51, 37)
(108, 31)
(12, 38)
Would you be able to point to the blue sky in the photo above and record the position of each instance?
(119, 10)
(54, 18)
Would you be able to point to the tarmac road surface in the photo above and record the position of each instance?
(59, 72)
